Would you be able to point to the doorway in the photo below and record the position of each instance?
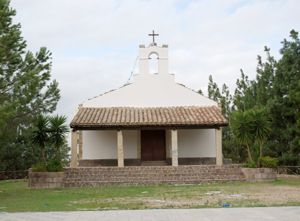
(153, 145)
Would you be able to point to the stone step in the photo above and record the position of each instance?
(154, 163)
(150, 168)
(150, 174)
(146, 182)
(154, 173)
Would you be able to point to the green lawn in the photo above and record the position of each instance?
(15, 196)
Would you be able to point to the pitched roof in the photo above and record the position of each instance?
(134, 117)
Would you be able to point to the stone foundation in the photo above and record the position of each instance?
(259, 174)
(45, 179)
(134, 175)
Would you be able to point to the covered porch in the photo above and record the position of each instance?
(147, 136)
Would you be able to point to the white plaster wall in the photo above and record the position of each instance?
(102, 144)
(130, 138)
(99, 144)
(162, 54)
(151, 90)
(196, 143)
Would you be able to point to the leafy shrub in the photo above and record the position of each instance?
(39, 167)
(251, 164)
(54, 166)
(269, 162)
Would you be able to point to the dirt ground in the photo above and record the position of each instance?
(256, 194)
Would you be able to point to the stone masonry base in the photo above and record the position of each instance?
(259, 174)
(37, 180)
(133, 175)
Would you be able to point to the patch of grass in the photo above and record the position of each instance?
(288, 181)
(15, 196)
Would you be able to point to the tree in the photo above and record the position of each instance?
(213, 89)
(240, 123)
(26, 89)
(285, 105)
(231, 147)
(58, 130)
(222, 97)
(262, 86)
(49, 138)
(40, 135)
(271, 105)
(260, 127)
(244, 96)
(251, 127)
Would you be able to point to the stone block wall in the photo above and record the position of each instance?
(38, 180)
(133, 175)
(259, 174)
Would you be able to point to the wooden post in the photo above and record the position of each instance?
(174, 146)
(74, 142)
(120, 148)
(218, 140)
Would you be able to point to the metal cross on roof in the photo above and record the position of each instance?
(153, 36)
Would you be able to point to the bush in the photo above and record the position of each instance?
(251, 164)
(269, 162)
(54, 166)
(39, 167)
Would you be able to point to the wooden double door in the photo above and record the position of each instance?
(153, 145)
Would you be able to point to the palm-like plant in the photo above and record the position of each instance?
(40, 135)
(261, 127)
(58, 130)
(240, 123)
(250, 127)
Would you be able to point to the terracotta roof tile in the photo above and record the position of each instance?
(113, 117)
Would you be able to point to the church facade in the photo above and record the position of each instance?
(151, 121)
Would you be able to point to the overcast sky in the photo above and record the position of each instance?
(95, 42)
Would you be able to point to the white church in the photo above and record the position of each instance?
(152, 121)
